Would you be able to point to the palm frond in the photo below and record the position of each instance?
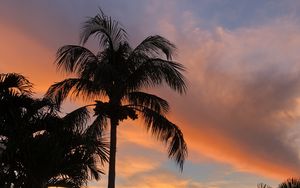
(94, 171)
(154, 46)
(98, 126)
(63, 182)
(74, 59)
(15, 83)
(154, 71)
(60, 90)
(75, 87)
(98, 146)
(153, 102)
(40, 112)
(109, 31)
(102, 150)
(169, 133)
(77, 119)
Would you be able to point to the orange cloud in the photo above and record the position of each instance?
(215, 145)
(129, 166)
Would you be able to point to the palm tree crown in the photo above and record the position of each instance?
(119, 73)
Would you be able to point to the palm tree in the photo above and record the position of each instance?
(15, 90)
(119, 73)
(62, 152)
(289, 183)
(262, 185)
(40, 148)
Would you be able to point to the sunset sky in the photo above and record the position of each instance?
(241, 114)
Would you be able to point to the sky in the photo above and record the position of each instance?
(240, 115)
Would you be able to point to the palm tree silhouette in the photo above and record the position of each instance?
(15, 92)
(263, 185)
(62, 152)
(118, 73)
(38, 147)
(289, 183)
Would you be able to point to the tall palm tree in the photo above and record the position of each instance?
(119, 73)
(40, 148)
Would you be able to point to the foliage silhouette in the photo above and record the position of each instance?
(119, 73)
(38, 147)
(289, 183)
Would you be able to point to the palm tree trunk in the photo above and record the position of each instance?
(112, 153)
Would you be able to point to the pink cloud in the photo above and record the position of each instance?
(244, 86)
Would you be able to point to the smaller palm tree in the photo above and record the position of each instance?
(262, 185)
(62, 152)
(38, 147)
(289, 183)
(15, 91)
